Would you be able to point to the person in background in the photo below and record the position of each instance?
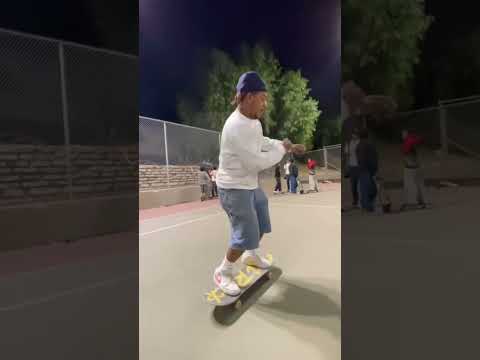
(312, 180)
(204, 181)
(353, 170)
(213, 177)
(413, 182)
(286, 167)
(293, 177)
(278, 176)
(368, 165)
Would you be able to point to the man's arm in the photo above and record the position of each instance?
(257, 161)
(268, 144)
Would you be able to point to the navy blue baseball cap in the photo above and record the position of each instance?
(250, 82)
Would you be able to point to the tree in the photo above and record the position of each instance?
(291, 112)
(381, 44)
(297, 113)
(329, 132)
(262, 59)
(219, 93)
(190, 112)
(457, 66)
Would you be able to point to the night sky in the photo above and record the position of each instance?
(111, 24)
(304, 35)
(174, 34)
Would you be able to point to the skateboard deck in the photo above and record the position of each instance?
(245, 278)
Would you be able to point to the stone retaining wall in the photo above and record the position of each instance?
(37, 172)
(153, 177)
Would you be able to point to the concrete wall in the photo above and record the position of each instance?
(35, 208)
(166, 197)
(31, 173)
(153, 177)
(30, 225)
(161, 187)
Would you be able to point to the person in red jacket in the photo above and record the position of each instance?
(312, 180)
(410, 142)
(413, 182)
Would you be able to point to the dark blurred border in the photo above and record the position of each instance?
(409, 274)
(69, 180)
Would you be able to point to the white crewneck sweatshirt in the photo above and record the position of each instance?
(244, 152)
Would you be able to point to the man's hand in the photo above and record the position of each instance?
(287, 144)
(298, 149)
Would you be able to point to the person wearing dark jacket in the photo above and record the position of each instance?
(368, 165)
(278, 176)
(293, 177)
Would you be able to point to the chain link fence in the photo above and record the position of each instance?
(152, 142)
(102, 99)
(333, 157)
(326, 158)
(189, 145)
(171, 154)
(425, 122)
(68, 120)
(461, 125)
(450, 150)
(451, 126)
(166, 143)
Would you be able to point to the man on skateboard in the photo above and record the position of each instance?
(244, 152)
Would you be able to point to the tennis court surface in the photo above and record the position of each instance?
(294, 316)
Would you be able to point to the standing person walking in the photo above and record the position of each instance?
(368, 166)
(353, 170)
(213, 176)
(287, 173)
(293, 177)
(312, 180)
(413, 182)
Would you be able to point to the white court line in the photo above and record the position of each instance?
(220, 213)
(60, 294)
(178, 214)
(307, 205)
(180, 224)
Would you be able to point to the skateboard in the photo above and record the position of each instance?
(300, 187)
(245, 278)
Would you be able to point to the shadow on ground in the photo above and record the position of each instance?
(309, 311)
(295, 305)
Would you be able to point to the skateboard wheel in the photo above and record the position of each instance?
(238, 304)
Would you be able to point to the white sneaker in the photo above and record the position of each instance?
(255, 260)
(225, 281)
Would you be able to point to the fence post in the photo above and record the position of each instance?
(443, 129)
(325, 158)
(166, 152)
(66, 124)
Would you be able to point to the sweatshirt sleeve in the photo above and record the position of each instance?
(268, 144)
(252, 156)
